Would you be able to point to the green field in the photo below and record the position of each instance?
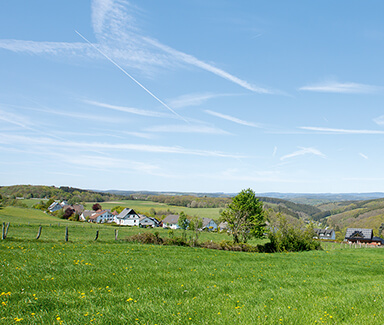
(145, 206)
(50, 281)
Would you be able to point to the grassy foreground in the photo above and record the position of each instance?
(50, 281)
(121, 283)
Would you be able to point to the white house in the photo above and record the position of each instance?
(171, 221)
(145, 221)
(209, 224)
(127, 217)
(223, 226)
(102, 216)
(86, 214)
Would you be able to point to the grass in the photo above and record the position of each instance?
(83, 281)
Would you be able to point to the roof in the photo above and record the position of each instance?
(206, 221)
(172, 219)
(223, 225)
(359, 233)
(87, 213)
(126, 213)
(378, 239)
(99, 213)
(324, 232)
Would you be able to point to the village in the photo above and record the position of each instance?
(128, 217)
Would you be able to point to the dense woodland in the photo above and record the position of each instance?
(70, 194)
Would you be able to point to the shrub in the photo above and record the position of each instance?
(146, 238)
(175, 241)
(286, 238)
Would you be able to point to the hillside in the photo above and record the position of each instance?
(339, 214)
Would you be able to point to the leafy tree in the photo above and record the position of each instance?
(245, 216)
(68, 213)
(183, 221)
(183, 224)
(96, 207)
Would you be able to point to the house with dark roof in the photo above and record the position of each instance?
(127, 217)
(145, 221)
(325, 234)
(361, 235)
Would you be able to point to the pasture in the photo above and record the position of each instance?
(82, 281)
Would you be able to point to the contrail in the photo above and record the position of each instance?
(127, 74)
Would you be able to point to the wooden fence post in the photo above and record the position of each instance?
(39, 233)
(116, 233)
(97, 234)
(66, 233)
(5, 230)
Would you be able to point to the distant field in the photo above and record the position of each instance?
(25, 224)
(145, 206)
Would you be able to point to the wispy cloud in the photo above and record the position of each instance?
(192, 99)
(119, 38)
(190, 59)
(131, 110)
(92, 146)
(88, 117)
(302, 152)
(379, 120)
(342, 88)
(339, 131)
(233, 119)
(186, 129)
(362, 155)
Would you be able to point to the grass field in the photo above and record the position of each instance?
(50, 281)
(145, 206)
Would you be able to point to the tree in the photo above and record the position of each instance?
(245, 216)
(183, 223)
(96, 207)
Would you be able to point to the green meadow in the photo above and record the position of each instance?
(83, 281)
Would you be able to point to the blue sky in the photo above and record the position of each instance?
(198, 96)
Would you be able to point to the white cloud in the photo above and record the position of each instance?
(187, 58)
(362, 155)
(92, 146)
(130, 110)
(340, 131)
(343, 88)
(233, 119)
(379, 120)
(192, 99)
(186, 129)
(120, 39)
(304, 151)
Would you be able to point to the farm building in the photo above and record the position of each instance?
(362, 235)
(325, 234)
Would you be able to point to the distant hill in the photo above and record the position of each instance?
(339, 211)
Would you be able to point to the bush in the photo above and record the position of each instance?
(146, 238)
(175, 241)
(286, 238)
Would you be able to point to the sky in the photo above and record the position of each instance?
(194, 95)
